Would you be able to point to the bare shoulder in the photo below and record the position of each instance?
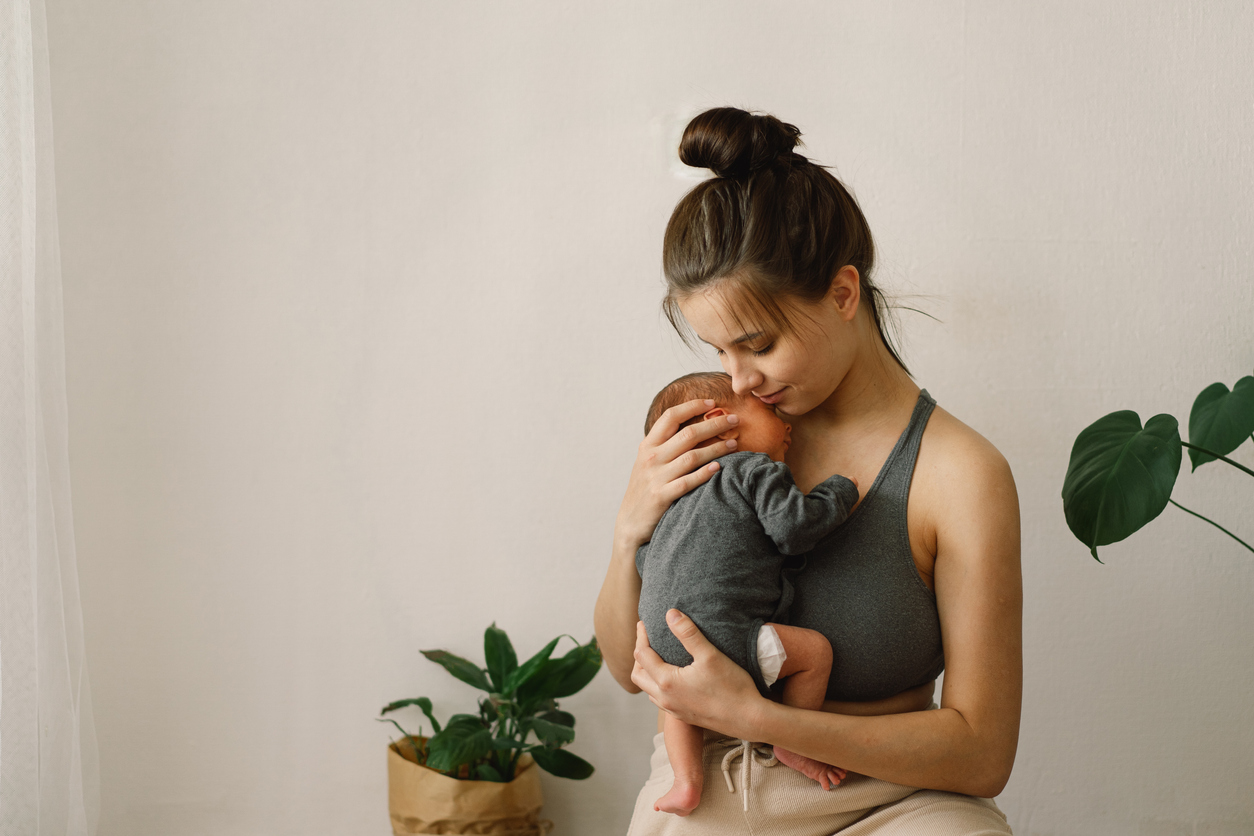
(963, 486)
(956, 450)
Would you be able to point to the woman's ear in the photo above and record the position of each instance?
(845, 292)
(718, 412)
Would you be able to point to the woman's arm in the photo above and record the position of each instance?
(669, 463)
(966, 746)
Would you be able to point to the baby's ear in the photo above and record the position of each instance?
(719, 412)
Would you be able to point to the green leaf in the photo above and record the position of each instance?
(528, 669)
(561, 763)
(572, 672)
(464, 740)
(1221, 420)
(500, 743)
(1120, 476)
(392, 706)
(486, 772)
(421, 702)
(404, 733)
(499, 653)
(553, 734)
(562, 718)
(488, 711)
(460, 668)
(562, 677)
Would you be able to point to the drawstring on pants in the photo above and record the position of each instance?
(747, 751)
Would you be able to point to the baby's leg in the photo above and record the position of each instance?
(684, 745)
(805, 672)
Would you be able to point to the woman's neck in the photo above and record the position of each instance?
(875, 388)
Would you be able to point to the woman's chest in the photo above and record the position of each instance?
(865, 457)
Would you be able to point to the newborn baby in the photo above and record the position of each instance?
(717, 555)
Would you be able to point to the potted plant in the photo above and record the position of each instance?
(477, 773)
(1121, 474)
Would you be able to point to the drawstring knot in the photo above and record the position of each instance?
(747, 751)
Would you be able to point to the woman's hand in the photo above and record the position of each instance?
(713, 692)
(669, 463)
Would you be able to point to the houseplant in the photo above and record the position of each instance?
(1121, 473)
(476, 773)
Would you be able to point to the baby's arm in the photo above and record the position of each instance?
(794, 520)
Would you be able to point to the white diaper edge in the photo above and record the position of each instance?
(771, 654)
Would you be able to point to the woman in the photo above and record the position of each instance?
(770, 263)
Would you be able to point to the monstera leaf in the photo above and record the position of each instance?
(1221, 420)
(1120, 476)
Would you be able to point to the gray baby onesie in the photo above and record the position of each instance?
(717, 555)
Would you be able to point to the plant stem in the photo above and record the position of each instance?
(1212, 522)
(1216, 455)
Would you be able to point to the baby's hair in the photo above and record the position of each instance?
(717, 386)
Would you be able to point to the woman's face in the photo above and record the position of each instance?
(793, 372)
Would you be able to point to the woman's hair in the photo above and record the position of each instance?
(717, 386)
(773, 224)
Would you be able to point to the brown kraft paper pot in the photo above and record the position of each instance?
(421, 800)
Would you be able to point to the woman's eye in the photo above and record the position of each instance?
(766, 349)
(718, 352)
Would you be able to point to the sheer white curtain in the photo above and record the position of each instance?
(48, 772)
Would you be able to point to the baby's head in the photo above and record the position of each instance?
(760, 430)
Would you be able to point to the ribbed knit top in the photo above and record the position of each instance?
(861, 589)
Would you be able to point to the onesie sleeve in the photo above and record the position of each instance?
(794, 520)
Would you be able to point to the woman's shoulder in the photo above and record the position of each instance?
(961, 480)
(950, 448)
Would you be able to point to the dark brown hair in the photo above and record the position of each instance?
(774, 224)
(716, 386)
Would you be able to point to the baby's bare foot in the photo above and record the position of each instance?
(828, 776)
(681, 800)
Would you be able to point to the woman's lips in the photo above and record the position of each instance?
(771, 398)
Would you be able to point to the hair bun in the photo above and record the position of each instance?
(734, 143)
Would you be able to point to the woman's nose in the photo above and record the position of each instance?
(744, 377)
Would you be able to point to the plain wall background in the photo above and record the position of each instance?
(362, 321)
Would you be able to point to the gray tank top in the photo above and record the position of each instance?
(861, 589)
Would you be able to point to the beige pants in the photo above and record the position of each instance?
(769, 799)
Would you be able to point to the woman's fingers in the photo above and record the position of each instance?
(693, 640)
(671, 420)
(685, 440)
(676, 488)
(694, 459)
(647, 661)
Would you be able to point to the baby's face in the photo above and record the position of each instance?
(761, 430)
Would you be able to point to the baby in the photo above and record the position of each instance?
(717, 555)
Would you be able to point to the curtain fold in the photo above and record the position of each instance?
(49, 777)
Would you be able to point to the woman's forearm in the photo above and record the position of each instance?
(616, 614)
(936, 749)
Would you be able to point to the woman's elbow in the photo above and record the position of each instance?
(622, 675)
(620, 666)
(991, 779)
(625, 681)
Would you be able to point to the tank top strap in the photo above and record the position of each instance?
(898, 472)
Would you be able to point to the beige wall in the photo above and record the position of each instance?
(362, 320)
